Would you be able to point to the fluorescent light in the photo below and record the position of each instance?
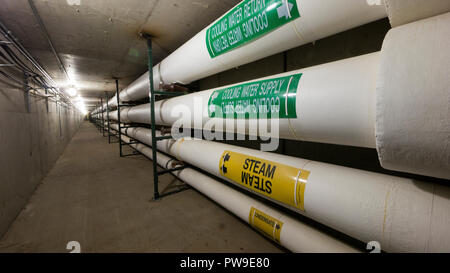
(72, 91)
(79, 104)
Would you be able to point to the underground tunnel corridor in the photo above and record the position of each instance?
(273, 127)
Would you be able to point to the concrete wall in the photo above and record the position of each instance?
(31, 142)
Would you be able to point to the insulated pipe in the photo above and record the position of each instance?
(404, 215)
(283, 229)
(411, 113)
(413, 98)
(338, 110)
(402, 12)
(251, 31)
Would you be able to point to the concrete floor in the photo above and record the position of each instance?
(104, 202)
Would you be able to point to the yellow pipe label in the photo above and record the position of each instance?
(266, 224)
(277, 181)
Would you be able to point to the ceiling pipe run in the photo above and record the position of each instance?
(248, 33)
(316, 19)
(404, 215)
(47, 37)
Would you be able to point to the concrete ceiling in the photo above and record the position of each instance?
(97, 40)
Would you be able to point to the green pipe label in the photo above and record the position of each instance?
(272, 98)
(248, 21)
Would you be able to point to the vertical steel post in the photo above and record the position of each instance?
(152, 118)
(107, 118)
(96, 116)
(46, 98)
(103, 117)
(59, 117)
(118, 117)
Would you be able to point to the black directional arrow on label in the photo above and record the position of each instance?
(225, 159)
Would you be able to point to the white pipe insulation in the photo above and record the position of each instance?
(330, 103)
(402, 12)
(413, 98)
(281, 228)
(251, 31)
(404, 215)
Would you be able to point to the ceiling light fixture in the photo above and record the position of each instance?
(72, 91)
